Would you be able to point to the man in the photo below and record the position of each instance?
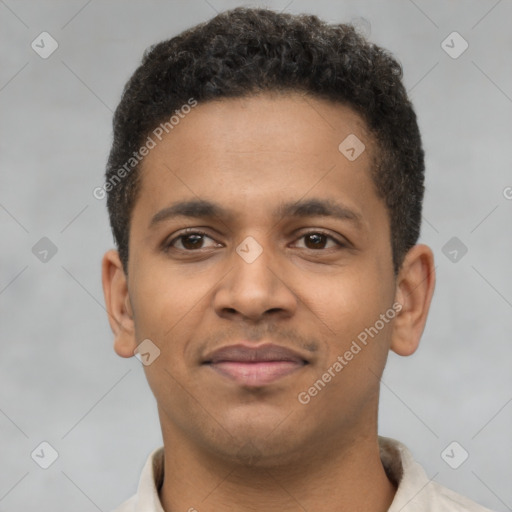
(264, 188)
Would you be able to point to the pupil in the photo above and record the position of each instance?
(197, 239)
(317, 239)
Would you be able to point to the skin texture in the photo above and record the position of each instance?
(233, 447)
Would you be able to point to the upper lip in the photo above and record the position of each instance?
(250, 353)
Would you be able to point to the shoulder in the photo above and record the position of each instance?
(415, 491)
(449, 501)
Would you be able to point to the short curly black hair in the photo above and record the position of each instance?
(246, 51)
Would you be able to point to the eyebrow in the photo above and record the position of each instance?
(315, 207)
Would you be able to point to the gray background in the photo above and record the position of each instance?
(61, 381)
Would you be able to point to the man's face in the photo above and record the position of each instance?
(261, 274)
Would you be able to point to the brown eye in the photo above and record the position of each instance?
(191, 241)
(317, 240)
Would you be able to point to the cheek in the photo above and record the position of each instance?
(168, 310)
(356, 344)
(164, 298)
(349, 302)
(171, 311)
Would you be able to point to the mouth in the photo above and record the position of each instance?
(256, 374)
(255, 366)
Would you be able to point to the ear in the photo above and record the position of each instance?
(414, 290)
(117, 300)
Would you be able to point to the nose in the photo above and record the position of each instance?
(255, 289)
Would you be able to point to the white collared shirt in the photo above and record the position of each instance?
(415, 492)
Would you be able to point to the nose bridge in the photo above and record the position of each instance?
(253, 286)
(251, 272)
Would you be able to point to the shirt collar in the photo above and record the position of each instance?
(415, 491)
(150, 482)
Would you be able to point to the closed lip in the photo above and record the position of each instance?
(244, 353)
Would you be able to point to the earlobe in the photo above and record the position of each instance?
(415, 287)
(118, 304)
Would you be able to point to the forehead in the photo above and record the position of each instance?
(252, 153)
(280, 122)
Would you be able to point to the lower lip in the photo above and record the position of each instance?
(256, 374)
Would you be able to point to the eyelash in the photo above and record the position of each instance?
(167, 246)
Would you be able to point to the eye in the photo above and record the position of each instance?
(190, 240)
(317, 240)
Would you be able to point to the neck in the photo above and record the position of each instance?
(342, 476)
